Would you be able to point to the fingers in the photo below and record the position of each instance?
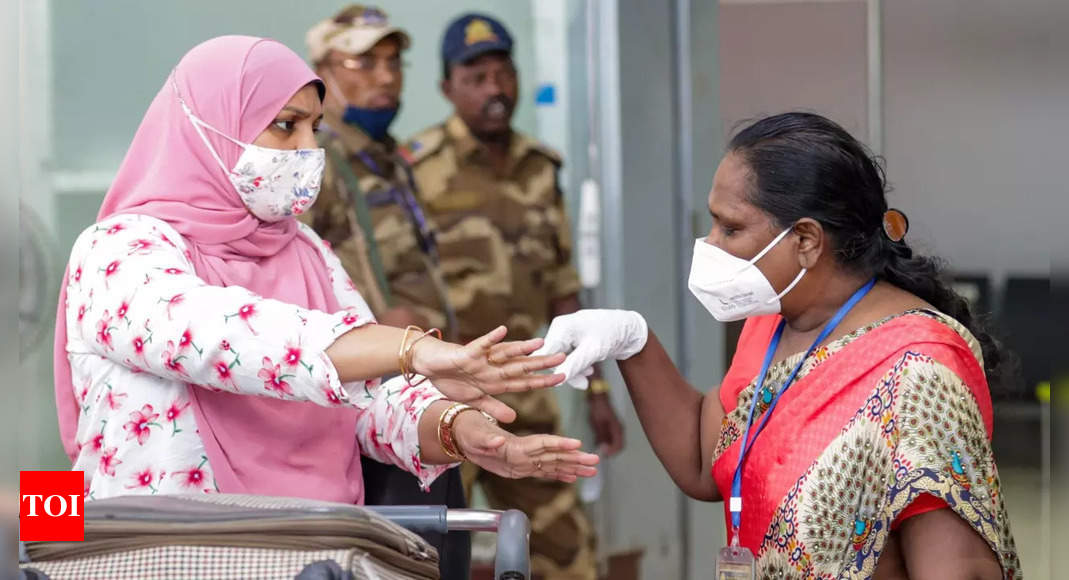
(577, 471)
(543, 456)
(537, 445)
(517, 367)
(486, 439)
(488, 340)
(577, 362)
(496, 409)
(568, 464)
(555, 340)
(581, 382)
(610, 440)
(615, 442)
(530, 383)
(502, 352)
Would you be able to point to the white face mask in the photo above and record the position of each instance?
(273, 183)
(731, 288)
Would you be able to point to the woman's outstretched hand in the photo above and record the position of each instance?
(500, 452)
(485, 367)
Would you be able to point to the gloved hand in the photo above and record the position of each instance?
(591, 336)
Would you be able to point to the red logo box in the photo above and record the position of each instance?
(51, 506)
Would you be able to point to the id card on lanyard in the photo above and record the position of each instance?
(735, 561)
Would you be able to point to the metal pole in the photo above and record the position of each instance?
(513, 559)
(684, 191)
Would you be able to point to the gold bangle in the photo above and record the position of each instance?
(407, 371)
(401, 351)
(446, 437)
(599, 386)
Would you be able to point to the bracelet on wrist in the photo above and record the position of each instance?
(407, 349)
(598, 386)
(446, 434)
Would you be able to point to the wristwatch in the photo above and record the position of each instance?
(598, 386)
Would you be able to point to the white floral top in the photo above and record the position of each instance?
(142, 328)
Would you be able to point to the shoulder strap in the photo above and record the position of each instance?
(363, 217)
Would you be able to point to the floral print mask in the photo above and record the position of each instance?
(274, 184)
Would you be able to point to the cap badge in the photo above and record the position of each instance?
(478, 30)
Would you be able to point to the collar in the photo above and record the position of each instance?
(467, 145)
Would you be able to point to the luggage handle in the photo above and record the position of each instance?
(513, 559)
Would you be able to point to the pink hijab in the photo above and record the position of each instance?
(236, 84)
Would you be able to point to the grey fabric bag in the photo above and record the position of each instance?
(224, 536)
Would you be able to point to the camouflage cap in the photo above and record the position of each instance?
(353, 30)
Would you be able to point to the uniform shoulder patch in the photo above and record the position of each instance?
(422, 145)
(547, 151)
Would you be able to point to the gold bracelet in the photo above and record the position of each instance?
(407, 371)
(446, 437)
(599, 386)
(401, 351)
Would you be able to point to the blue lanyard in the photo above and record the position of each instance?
(735, 505)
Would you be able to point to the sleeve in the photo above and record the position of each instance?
(941, 456)
(565, 277)
(133, 298)
(387, 428)
(923, 504)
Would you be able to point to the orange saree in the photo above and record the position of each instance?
(885, 423)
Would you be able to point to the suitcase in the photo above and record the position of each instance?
(228, 536)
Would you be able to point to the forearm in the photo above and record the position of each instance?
(940, 544)
(368, 352)
(671, 413)
(430, 447)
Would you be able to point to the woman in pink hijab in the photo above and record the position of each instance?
(206, 341)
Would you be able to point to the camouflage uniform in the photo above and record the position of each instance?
(505, 247)
(406, 253)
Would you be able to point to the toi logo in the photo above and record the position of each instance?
(51, 506)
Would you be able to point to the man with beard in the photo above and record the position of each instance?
(505, 246)
(368, 211)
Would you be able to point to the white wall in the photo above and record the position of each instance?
(974, 109)
(976, 95)
(781, 56)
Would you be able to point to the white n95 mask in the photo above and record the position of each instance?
(274, 184)
(731, 288)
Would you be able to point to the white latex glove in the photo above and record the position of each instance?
(592, 336)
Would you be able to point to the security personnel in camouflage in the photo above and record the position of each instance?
(505, 246)
(368, 210)
(358, 55)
